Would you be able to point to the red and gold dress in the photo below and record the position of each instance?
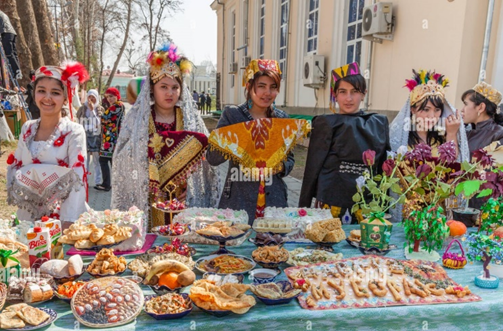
(172, 154)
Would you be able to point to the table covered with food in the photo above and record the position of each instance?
(284, 272)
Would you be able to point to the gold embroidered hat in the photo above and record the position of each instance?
(425, 84)
(166, 62)
(259, 65)
(489, 92)
(338, 74)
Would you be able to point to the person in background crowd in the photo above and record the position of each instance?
(195, 96)
(208, 103)
(481, 110)
(30, 100)
(111, 121)
(89, 115)
(46, 175)
(202, 102)
(9, 36)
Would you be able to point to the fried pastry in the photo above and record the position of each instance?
(106, 240)
(83, 244)
(110, 229)
(96, 235)
(123, 233)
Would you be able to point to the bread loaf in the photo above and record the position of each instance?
(75, 265)
(33, 293)
(46, 292)
(55, 268)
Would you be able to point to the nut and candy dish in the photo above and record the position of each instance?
(176, 246)
(169, 205)
(171, 230)
(107, 302)
(168, 306)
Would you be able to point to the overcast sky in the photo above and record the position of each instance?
(194, 31)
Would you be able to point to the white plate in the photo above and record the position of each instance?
(210, 257)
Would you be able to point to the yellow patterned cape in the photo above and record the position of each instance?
(263, 143)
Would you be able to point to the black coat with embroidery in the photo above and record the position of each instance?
(334, 158)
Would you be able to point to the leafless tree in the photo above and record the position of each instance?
(152, 13)
(126, 24)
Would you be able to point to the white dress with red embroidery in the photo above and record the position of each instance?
(43, 176)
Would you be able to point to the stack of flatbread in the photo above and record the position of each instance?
(224, 229)
(20, 315)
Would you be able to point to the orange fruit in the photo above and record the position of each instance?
(457, 228)
(169, 279)
(450, 221)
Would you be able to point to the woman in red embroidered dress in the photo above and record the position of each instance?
(46, 175)
(110, 127)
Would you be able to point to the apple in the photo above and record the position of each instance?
(498, 234)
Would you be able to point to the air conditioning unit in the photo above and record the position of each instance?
(233, 67)
(245, 60)
(377, 19)
(314, 71)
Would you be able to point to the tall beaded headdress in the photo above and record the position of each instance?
(425, 84)
(166, 62)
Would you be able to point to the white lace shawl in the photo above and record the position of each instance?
(130, 175)
(399, 136)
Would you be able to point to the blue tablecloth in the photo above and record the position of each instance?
(477, 316)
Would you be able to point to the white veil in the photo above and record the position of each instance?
(399, 136)
(130, 174)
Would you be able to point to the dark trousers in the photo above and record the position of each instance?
(105, 171)
(9, 45)
(208, 106)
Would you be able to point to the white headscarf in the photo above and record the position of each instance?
(399, 136)
(130, 174)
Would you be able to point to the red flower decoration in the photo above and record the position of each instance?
(369, 157)
(61, 140)
(302, 212)
(11, 159)
(27, 133)
(106, 145)
(388, 166)
(62, 163)
(44, 218)
(36, 161)
(80, 158)
(423, 170)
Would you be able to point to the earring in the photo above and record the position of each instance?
(250, 103)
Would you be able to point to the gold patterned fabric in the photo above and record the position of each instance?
(172, 155)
